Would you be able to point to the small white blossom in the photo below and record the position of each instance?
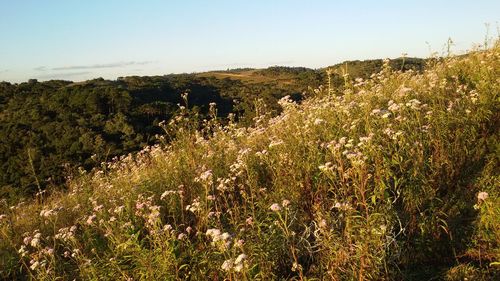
(91, 219)
(318, 121)
(34, 265)
(240, 258)
(482, 196)
(275, 207)
(285, 203)
(227, 265)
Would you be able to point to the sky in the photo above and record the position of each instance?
(80, 40)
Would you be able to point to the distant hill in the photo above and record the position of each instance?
(363, 69)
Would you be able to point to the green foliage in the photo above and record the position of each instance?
(66, 125)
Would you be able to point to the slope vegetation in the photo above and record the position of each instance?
(394, 177)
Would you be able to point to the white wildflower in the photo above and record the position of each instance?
(91, 219)
(482, 196)
(285, 203)
(227, 265)
(240, 258)
(34, 265)
(275, 207)
(318, 121)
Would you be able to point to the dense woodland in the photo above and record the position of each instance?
(49, 129)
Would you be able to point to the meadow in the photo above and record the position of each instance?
(394, 177)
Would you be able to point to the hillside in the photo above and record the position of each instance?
(49, 130)
(393, 177)
(60, 125)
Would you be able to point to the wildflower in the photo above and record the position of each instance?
(249, 221)
(383, 227)
(98, 208)
(296, 266)
(275, 207)
(49, 251)
(119, 209)
(318, 121)
(182, 236)
(393, 106)
(322, 223)
(194, 207)
(239, 243)
(413, 103)
(328, 166)
(214, 233)
(167, 227)
(342, 206)
(27, 240)
(261, 153)
(285, 203)
(66, 254)
(238, 267)
(90, 219)
(275, 143)
(75, 253)
(225, 236)
(167, 193)
(227, 265)
(240, 258)
(140, 205)
(35, 242)
(404, 90)
(206, 176)
(34, 265)
(22, 251)
(239, 262)
(482, 196)
(47, 213)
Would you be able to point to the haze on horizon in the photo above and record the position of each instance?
(82, 40)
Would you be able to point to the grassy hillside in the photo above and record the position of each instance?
(394, 177)
(50, 129)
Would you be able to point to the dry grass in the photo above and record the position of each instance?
(249, 76)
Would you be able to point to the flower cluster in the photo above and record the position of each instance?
(237, 264)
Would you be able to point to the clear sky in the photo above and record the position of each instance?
(78, 40)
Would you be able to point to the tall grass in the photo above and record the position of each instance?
(394, 178)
